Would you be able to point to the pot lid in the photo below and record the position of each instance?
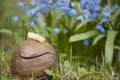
(31, 49)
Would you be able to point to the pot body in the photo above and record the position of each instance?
(32, 58)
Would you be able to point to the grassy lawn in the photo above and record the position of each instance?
(85, 36)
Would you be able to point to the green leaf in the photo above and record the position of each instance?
(114, 17)
(67, 64)
(82, 24)
(72, 22)
(41, 20)
(78, 8)
(41, 28)
(4, 78)
(56, 18)
(82, 70)
(92, 68)
(98, 38)
(117, 47)
(83, 36)
(109, 46)
(49, 72)
(49, 19)
(6, 31)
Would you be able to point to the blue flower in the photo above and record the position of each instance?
(100, 28)
(73, 4)
(86, 42)
(80, 18)
(94, 15)
(90, 4)
(93, 7)
(65, 30)
(45, 8)
(15, 18)
(22, 5)
(86, 14)
(83, 3)
(72, 12)
(45, 1)
(32, 3)
(62, 5)
(97, 2)
(56, 30)
(115, 6)
(32, 11)
(103, 20)
(106, 14)
(107, 11)
(32, 23)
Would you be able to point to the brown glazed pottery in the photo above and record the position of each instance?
(32, 58)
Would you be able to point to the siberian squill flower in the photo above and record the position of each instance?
(62, 5)
(33, 3)
(100, 28)
(103, 20)
(86, 42)
(15, 18)
(72, 12)
(32, 11)
(65, 30)
(93, 6)
(72, 4)
(45, 1)
(22, 5)
(81, 18)
(84, 14)
(45, 6)
(32, 23)
(56, 30)
(106, 11)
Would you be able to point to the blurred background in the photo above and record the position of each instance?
(61, 34)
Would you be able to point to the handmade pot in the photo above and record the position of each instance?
(32, 58)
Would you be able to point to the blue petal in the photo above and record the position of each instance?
(103, 20)
(73, 4)
(22, 5)
(94, 15)
(106, 14)
(32, 23)
(86, 42)
(33, 2)
(65, 30)
(45, 1)
(56, 30)
(80, 18)
(32, 11)
(72, 12)
(100, 28)
(15, 18)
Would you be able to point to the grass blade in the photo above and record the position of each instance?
(82, 24)
(109, 46)
(117, 47)
(98, 38)
(83, 36)
(6, 31)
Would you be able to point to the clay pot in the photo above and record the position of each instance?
(32, 58)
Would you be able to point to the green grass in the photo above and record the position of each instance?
(66, 69)
(69, 67)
